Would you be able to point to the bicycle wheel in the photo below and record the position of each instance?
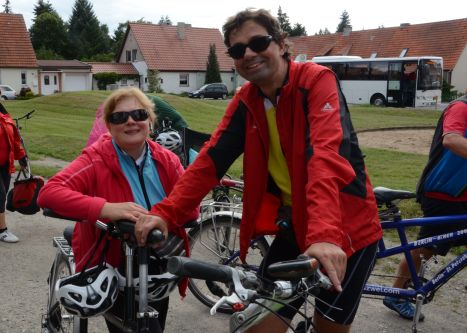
(58, 320)
(216, 239)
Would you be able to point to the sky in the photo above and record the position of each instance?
(314, 15)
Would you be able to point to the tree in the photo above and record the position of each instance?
(345, 22)
(48, 33)
(283, 21)
(119, 35)
(42, 7)
(297, 30)
(106, 78)
(165, 20)
(7, 7)
(154, 83)
(323, 32)
(212, 66)
(86, 35)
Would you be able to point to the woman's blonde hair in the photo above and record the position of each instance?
(120, 94)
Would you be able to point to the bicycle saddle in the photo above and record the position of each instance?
(386, 195)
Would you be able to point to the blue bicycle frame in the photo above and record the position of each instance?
(420, 288)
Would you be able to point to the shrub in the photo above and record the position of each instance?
(106, 78)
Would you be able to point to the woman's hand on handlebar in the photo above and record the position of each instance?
(145, 224)
(122, 211)
(332, 258)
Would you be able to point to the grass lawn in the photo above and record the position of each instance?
(60, 126)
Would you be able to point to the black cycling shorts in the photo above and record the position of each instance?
(5, 178)
(359, 267)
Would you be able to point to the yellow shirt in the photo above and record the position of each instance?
(277, 165)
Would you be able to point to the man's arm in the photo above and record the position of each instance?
(456, 143)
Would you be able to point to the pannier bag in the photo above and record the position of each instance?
(23, 196)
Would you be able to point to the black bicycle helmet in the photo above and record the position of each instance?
(89, 293)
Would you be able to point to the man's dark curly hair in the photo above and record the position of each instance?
(261, 17)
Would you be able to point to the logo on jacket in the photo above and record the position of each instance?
(327, 107)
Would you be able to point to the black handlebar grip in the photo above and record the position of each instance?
(154, 237)
(187, 267)
(294, 269)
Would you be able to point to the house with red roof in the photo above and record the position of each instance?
(446, 39)
(18, 63)
(178, 52)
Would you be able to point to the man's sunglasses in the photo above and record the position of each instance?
(117, 118)
(256, 44)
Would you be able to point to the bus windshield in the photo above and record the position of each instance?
(431, 74)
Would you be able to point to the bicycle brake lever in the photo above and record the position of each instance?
(323, 280)
(232, 299)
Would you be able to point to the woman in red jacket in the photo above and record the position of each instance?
(10, 150)
(121, 176)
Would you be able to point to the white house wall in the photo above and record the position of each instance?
(12, 77)
(459, 73)
(130, 44)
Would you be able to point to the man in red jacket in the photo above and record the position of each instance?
(302, 163)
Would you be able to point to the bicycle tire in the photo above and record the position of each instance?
(58, 320)
(205, 245)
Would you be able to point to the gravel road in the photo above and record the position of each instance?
(25, 266)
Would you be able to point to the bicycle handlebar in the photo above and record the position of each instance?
(301, 267)
(197, 269)
(27, 116)
(124, 226)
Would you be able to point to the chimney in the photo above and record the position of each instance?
(404, 25)
(347, 31)
(181, 30)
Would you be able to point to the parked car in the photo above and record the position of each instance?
(7, 92)
(211, 90)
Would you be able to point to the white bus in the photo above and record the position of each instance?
(401, 82)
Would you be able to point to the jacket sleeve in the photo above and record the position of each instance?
(19, 151)
(225, 145)
(69, 193)
(328, 172)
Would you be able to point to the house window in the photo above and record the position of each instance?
(23, 77)
(46, 80)
(403, 53)
(133, 54)
(55, 80)
(161, 80)
(184, 80)
(128, 56)
(123, 82)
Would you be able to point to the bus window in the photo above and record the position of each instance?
(431, 75)
(379, 70)
(356, 71)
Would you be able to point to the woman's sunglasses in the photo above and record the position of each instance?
(117, 118)
(256, 44)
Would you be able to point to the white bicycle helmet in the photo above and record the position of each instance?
(170, 140)
(90, 293)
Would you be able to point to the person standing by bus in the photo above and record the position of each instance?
(442, 190)
(302, 163)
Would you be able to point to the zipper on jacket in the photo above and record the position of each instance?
(139, 170)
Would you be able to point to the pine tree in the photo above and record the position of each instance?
(119, 35)
(42, 7)
(345, 22)
(283, 21)
(7, 7)
(165, 20)
(87, 36)
(212, 66)
(297, 30)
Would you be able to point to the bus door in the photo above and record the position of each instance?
(394, 84)
(409, 83)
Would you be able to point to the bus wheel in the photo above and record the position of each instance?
(378, 100)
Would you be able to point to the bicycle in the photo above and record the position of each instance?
(423, 288)
(57, 319)
(254, 299)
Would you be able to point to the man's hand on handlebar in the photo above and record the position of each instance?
(332, 258)
(145, 224)
(122, 211)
